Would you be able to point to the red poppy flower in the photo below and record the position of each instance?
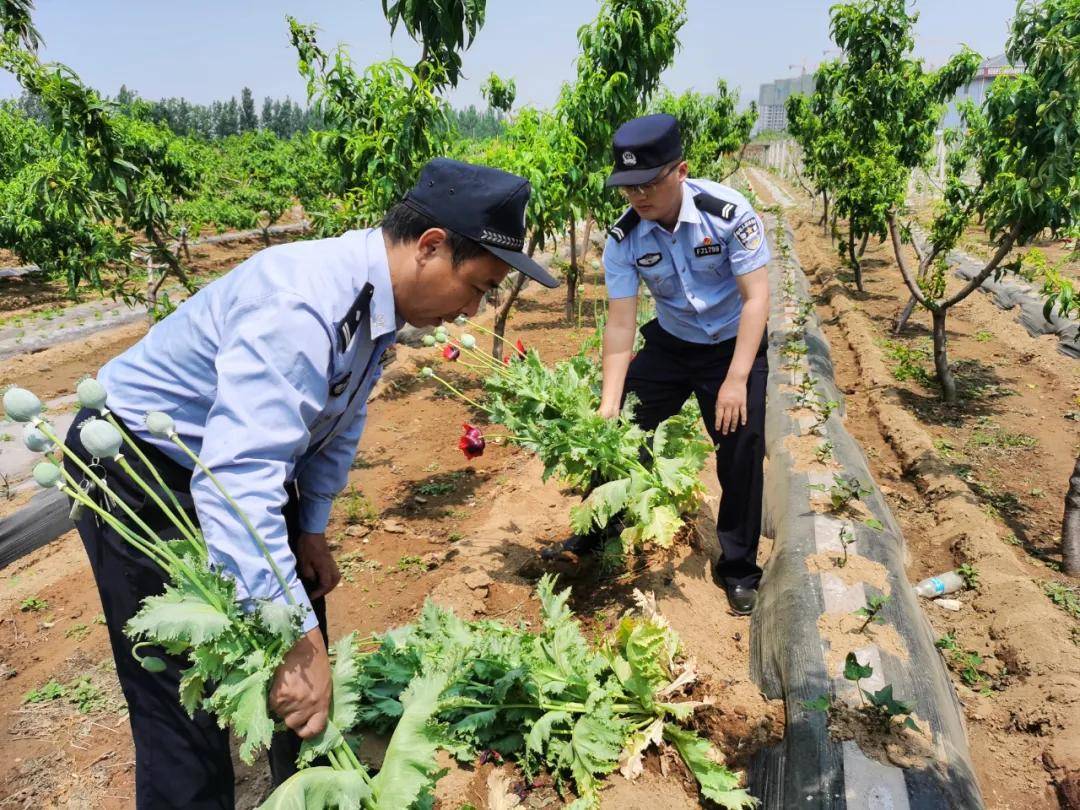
(471, 442)
(520, 347)
(451, 352)
(506, 359)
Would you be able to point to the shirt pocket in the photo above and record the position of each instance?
(711, 267)
(661, 279)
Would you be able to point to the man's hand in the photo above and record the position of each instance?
(300, 693)
(609, 410)
(731, 406)
(315, 563)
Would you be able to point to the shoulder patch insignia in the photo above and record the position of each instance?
(626, 223)
(648, 260)
(708, 250)
(749, 233)
(715, 206)
(346, 330)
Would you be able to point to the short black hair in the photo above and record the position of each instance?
(403, 223)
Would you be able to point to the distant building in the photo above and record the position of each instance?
(772, 97)
(976, 90)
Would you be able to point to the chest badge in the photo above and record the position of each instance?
(648, 260)
(707, 248)
(338, 388)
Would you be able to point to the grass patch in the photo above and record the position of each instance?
(1066, 597)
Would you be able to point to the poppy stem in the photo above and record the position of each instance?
(471, 401)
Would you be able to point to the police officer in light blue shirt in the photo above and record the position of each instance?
(700, 250)
(267, 372)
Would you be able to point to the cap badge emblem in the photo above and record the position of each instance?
(629, 158)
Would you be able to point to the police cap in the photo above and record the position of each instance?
(643, 147)
(480, 203)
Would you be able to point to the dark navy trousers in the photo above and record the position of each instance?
(180, 762)
(663, 375)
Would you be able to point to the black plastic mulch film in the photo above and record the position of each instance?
(788, 655)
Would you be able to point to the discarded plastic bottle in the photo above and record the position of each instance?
(941, 584)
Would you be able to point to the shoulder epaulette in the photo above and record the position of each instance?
(626, 223)
(348, 327)
(714, 205)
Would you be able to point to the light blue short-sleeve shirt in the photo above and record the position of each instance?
(691, 272)
(266, 373)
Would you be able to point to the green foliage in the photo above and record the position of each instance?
(383, 125)
(710, 127)
(871, 613)
(970, 575)
(909, 361)
(546, 697)
(442, 28)
(651, 479)
(872, 117)
(499, 93)
(843, 491)
(33, 604)
(52, 690)
(822, 703)
(623, 52)
(880, 706)
(1066, 597)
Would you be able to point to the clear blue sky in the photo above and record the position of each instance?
(208, 50)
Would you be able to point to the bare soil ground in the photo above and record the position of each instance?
(419, 521)
(983, 484)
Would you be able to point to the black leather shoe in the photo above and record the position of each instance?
(573, 548)
(741, 598)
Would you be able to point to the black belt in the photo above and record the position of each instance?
(656, 335)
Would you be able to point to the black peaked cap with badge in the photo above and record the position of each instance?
(480, 203)
(643, 147)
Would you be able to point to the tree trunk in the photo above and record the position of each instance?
(572, 274)
(855, 265)
(1070, 525)
(901, 321)
(825, 213)
(502, 313)
(184, 244)
(163, 253)
(585, 245)
(862, 245)
(941, 357)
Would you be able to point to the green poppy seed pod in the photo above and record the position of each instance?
(152, 663)
(36, 441)
(441, 337)
(468, 341)
(91, 394)
(46, 474)
(427, 372)
(101, 439)
(20, 405)
(428, 340)
(461, 320)
(160, 425)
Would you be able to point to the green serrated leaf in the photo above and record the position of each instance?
(704, 761)
(854, 671)
(320, 787)
(409, 765)
(178, 616)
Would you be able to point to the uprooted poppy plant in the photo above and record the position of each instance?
(451, 352)
(472, 442)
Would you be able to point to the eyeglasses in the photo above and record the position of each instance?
(647, 188)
